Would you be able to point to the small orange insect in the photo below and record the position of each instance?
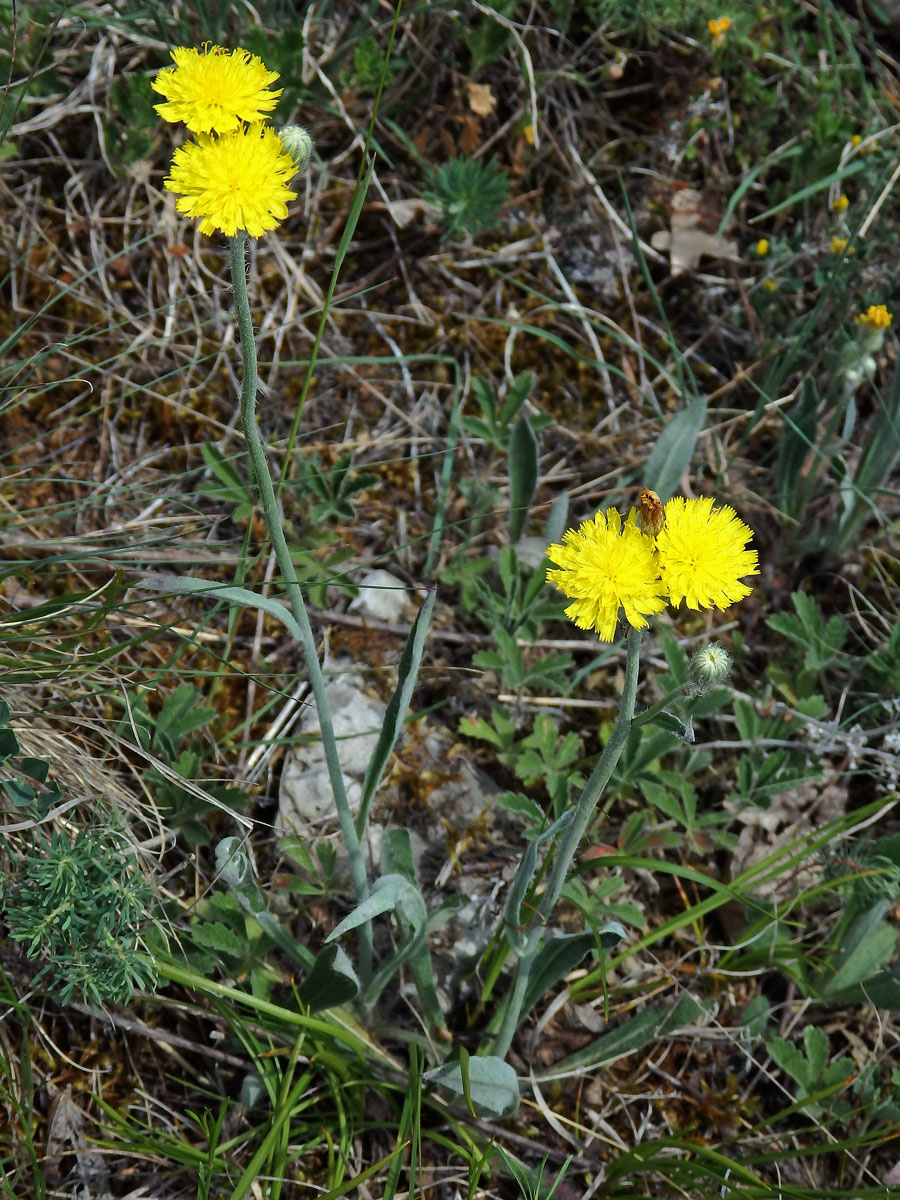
(651, 509)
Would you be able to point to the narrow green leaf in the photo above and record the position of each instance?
(556, 958)
(395, 714)
(781, 154)
(876, 466)
(867, 946)
(464, 1057)
(556, 521)
(222, 467)
(821, 184)
(796, 441)
(516, 395)
(523, 475)
(687, 1010)
(881, 990)
(397, 857)
(390, 892)
(562, 954)
(184, 585)
(627, 1038)
(672, 454)
(523, 876)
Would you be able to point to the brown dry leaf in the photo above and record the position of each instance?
(686, 243)
(65, 1135)
(469, 135)
(482, 100)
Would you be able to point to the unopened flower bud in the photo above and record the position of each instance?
(707, 668)
(298, 144)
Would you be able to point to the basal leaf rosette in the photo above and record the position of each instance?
(214, 91)
(233, 183)
(703, 554)
(606, 567)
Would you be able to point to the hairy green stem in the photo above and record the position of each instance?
(263, 481)
(568, 847)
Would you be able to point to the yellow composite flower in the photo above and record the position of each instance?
(604, 566)
(215, 91)
(841, 204)
(718, 26)
(703, 555)
(876, 316)
(235, 182)
(762, 247)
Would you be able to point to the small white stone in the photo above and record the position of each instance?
(382, 596)
(305, 795)
(306, 800)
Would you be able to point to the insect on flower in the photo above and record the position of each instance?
(651, 509)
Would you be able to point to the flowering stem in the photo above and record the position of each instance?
(568, 846)
(263, 481)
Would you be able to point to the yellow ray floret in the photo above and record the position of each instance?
(703, 555)
(213, 92)
(235, 182)
(604, 566)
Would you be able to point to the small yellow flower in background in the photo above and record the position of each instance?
(703, 555)
(839, 244)
(762, 247)
(876, 316)
(770, 285)
(214, 92)
(603, 566)
(864, 147)
(841, 204)
(236, 182)
(718, 26)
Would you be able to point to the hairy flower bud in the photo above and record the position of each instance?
(707, 668)
(298, 143)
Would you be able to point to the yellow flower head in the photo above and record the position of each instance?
(603, 567)
(855, 140)
(234, 182)
(214, 92)
(876, 316)
(770, 285)
(718, 26)
(838, 245)
(762, 247)
(702, 554)
(841, 204)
